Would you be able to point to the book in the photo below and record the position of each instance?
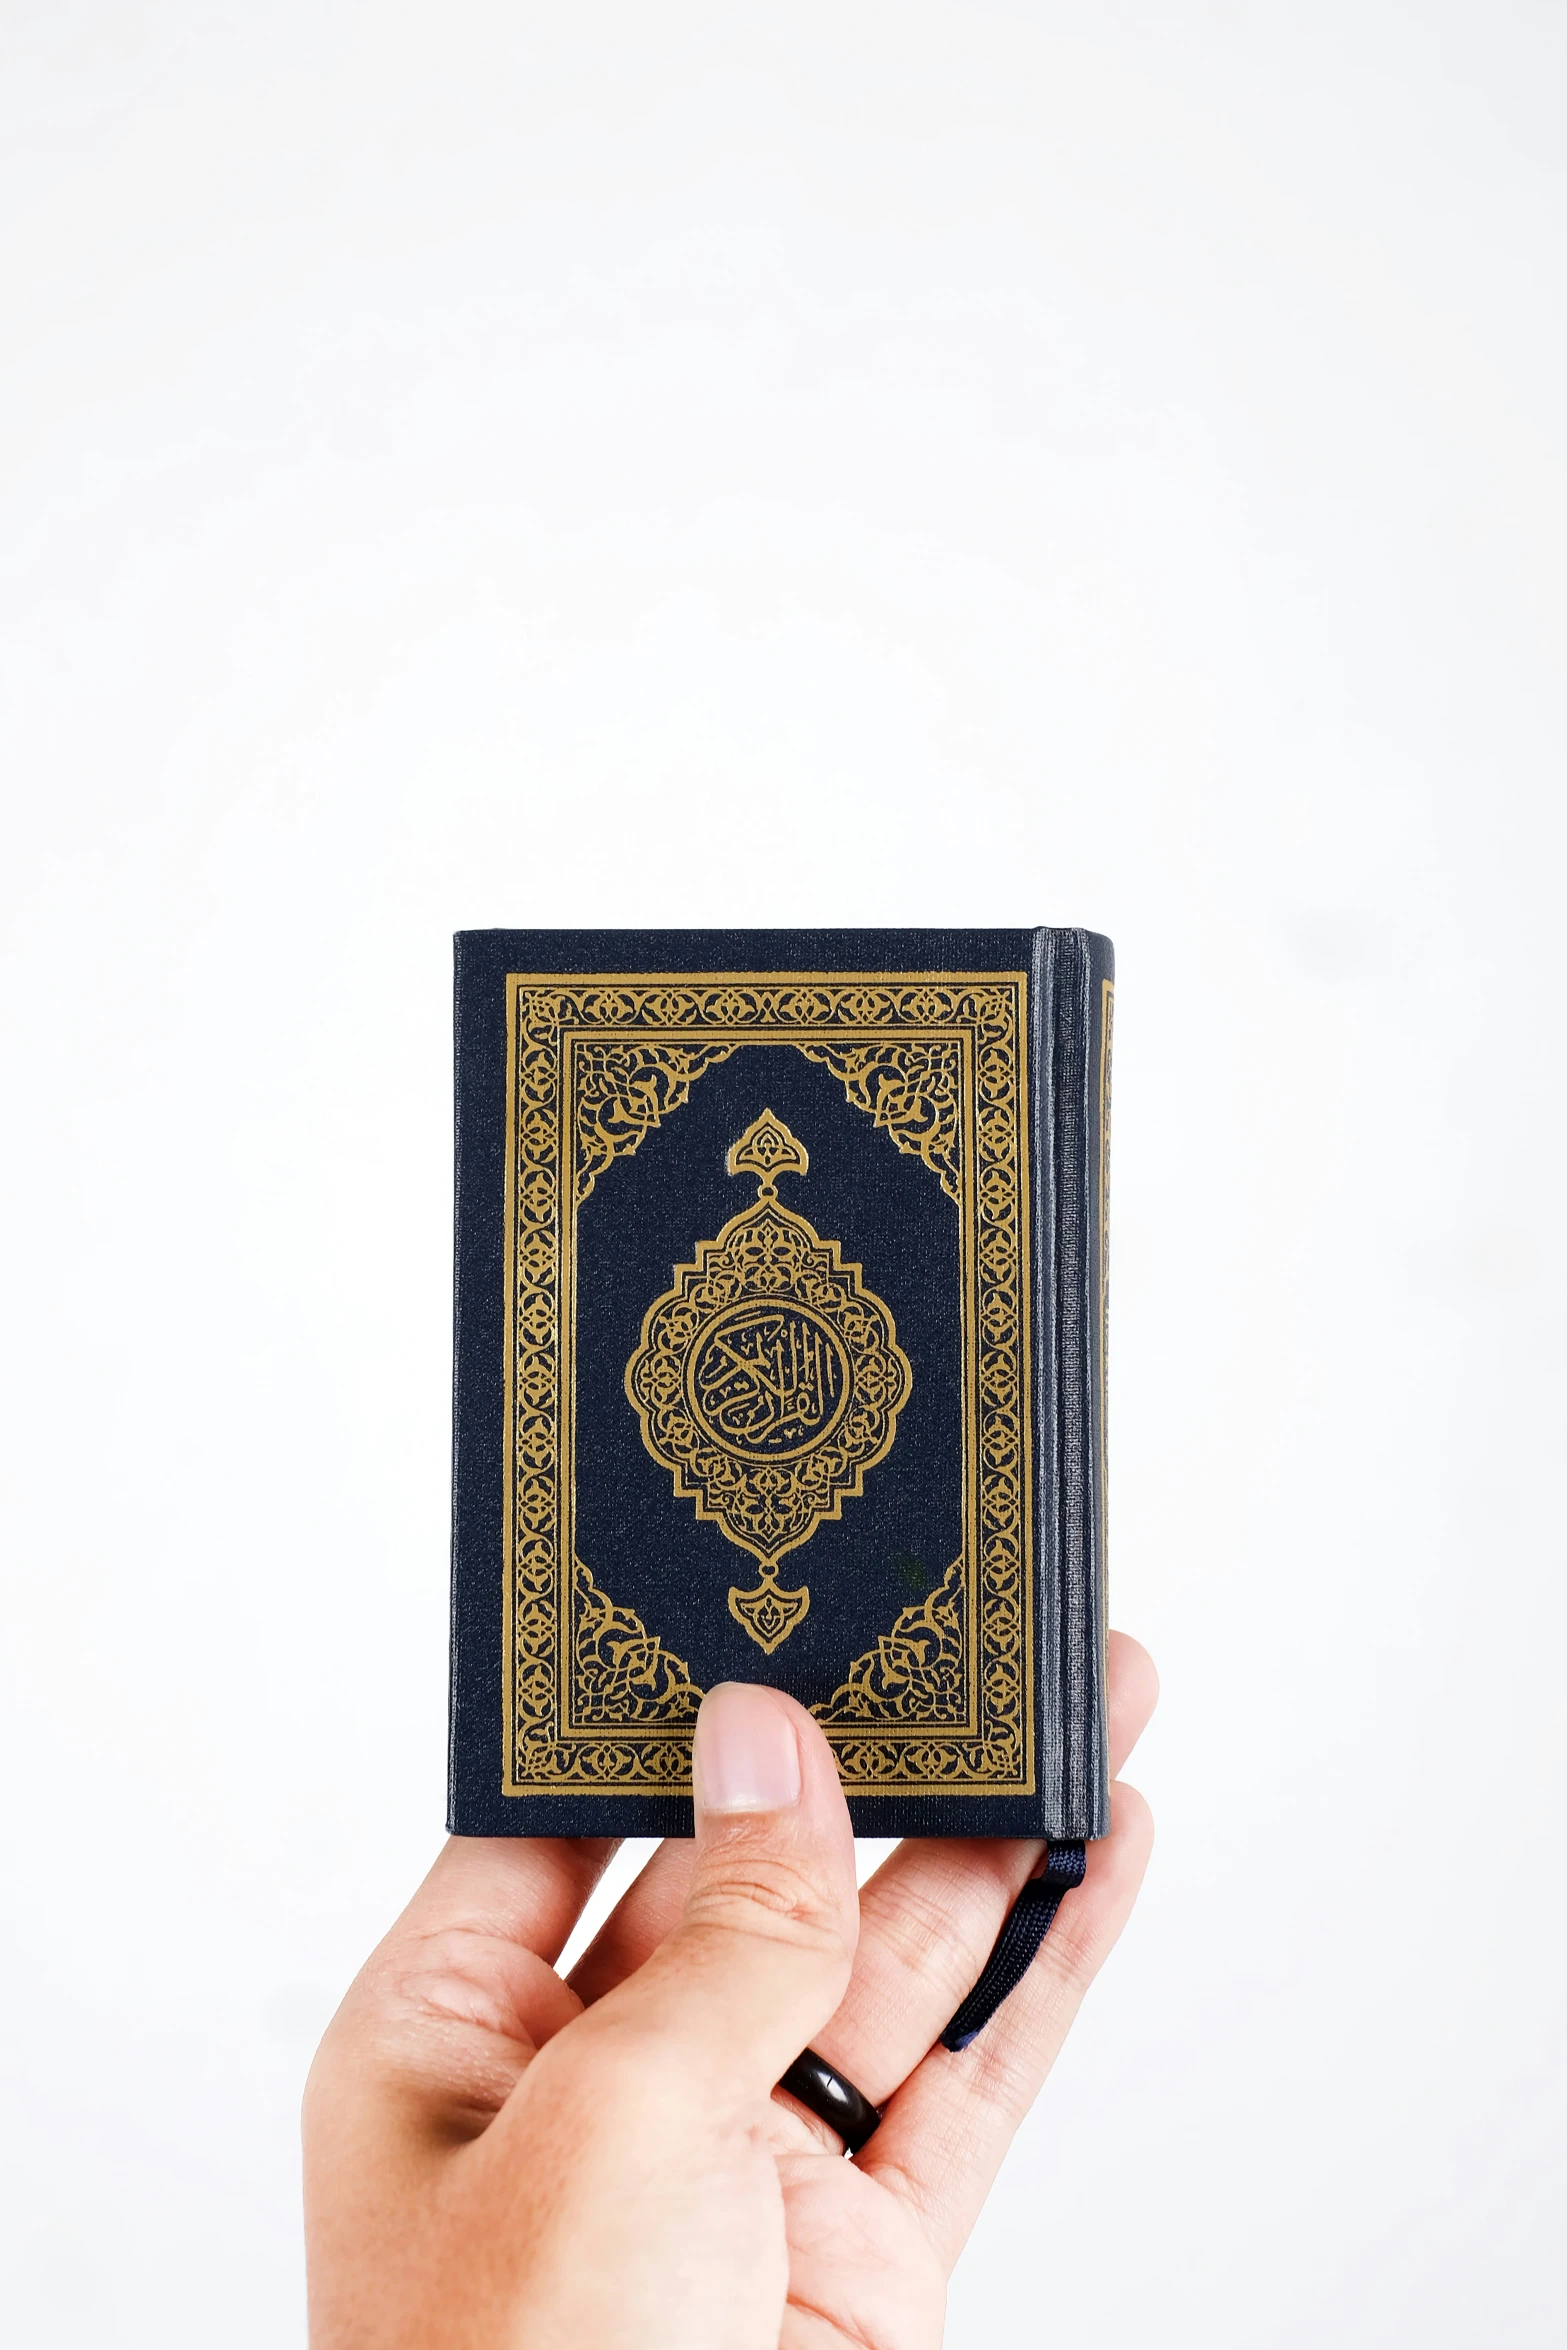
(780, 1356)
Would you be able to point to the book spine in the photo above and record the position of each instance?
(1073, 1012)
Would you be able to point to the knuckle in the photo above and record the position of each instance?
(925, 1938)
(912, 2187)
(449, 2014)
(767, 1894)
(456, 1975)
(1081, 1943)
(1006, 2080)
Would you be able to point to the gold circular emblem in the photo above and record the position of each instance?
(769, 1380)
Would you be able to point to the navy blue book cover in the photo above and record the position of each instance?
(780, 1281)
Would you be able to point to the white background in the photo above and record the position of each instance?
(658, 463)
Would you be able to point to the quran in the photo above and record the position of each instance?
(780, 1356)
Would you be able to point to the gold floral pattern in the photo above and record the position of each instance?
(768, 1380)
(915, 1672)
(624, 1089)
(911, 1090)
(623, 1673)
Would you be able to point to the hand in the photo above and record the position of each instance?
(498, 2158)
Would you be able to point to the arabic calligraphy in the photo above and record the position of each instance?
(769, 1380)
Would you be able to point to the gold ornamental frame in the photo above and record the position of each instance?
(594, 1701)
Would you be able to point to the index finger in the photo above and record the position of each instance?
(527, 1890)
(459, 1996)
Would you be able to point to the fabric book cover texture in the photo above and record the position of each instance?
(780, 1342)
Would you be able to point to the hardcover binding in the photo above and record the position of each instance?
(779, 1355)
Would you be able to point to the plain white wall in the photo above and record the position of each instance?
(496, 463)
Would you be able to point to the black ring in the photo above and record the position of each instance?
(824, 2091)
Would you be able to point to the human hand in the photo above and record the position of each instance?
(496, 2157)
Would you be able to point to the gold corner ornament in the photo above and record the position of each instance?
(768, 1379)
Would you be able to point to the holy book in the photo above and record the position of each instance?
(780, 1356)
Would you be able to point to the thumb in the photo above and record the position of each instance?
(761, 1955)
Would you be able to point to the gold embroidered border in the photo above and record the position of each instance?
(958, 1099)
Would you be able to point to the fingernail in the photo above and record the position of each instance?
(746, 1757)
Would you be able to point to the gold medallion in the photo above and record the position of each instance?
(768, 1380)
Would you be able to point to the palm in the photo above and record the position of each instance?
(860, 2272)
